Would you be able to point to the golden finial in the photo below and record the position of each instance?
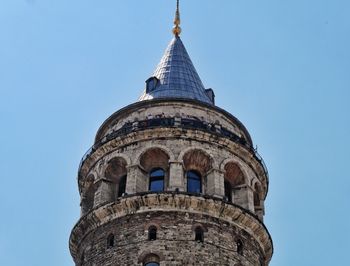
(177, 21)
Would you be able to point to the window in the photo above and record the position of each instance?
(156, 180)
(194, 182)
(152, 233)
(151, 260)
(110, 241)
(240, 246)
(151, 84)
(228, 191)
(199, 234)
(122, 186)
(151, 264)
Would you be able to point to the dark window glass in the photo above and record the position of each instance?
(151, 84)
(194, 182)
(228, 191)
(122, 186)
(239, 244)
(156, 180)
(199, 234)
(110, 241)
(152, 233)
(152, 264)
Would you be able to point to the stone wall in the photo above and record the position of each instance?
(229, 208)
(167, 108)
(176, 216)
(175, 244)
(180, 155)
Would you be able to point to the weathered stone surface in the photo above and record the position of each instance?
(228, 207)
(175, 214)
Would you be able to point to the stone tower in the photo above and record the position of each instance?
(172, 180)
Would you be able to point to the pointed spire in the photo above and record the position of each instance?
(175, 75)
(177, 20)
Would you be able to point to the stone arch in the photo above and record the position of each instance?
(152, 223)
(194, 226)
(197, 163)
(164, 149)
(181, 157)
(198, 230)
(115, 175)
(115, 168)
(102, 163)
(152, 161)
(239, 164)
(152, 232)
(121, 155)
(196, 159)
(150, 256)
(235, 183)
(154, 157)
(233, 173)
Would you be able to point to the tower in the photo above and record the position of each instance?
(172, 179)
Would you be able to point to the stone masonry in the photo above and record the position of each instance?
(172, 180)
(176, 135)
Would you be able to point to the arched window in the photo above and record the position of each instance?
(151, 264)
(122, 186)
(115, 173)
(234, 180)
(110, 241)
(199, 234)
(151, 260)
(240, 247)
(194, 182)
(228, 191)
(152, 233)
(156, 180)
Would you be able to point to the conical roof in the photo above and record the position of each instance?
(175, 77)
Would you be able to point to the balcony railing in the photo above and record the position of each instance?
(176, 122)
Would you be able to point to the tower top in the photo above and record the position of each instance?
(177, 20)
(175, 75)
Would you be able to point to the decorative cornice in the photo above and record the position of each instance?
(172, 202)
(168, 101)
(146, 135)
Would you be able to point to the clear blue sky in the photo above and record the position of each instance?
(281, 67)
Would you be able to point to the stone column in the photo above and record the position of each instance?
(136, 180)
(260, 210)
(244, 197)
(105, 192)
(176, 176)
(215, 183)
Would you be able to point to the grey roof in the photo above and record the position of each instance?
(177, 77)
